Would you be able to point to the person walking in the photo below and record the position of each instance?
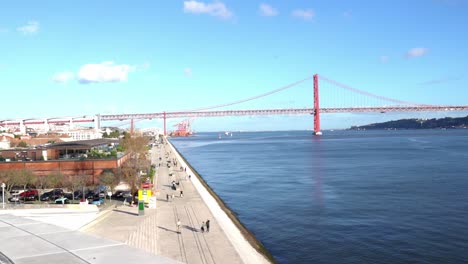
(181, 194)
(167, 197)
(178, 226)
(202, 227)
(208, 225)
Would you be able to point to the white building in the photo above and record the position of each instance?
(84, 134)
(4, 143)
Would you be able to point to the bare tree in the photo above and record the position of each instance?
(24, 177)
(6, 177)
(108, 179)
(41, 181)
(56, 179)
(75, 182)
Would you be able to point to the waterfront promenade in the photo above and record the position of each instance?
(118, 234)
(156, 231)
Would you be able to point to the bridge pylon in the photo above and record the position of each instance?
(317, 131)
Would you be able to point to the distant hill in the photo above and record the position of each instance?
(447, 122)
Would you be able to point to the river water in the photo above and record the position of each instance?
(344, 197)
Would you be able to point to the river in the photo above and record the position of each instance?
(346, 196)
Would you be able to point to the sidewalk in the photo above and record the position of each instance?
(156, 231)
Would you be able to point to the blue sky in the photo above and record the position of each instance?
(64, 58)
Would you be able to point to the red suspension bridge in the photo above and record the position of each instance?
(316, 110)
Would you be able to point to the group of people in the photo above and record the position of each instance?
(205, 226)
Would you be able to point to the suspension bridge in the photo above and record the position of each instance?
(391, 105)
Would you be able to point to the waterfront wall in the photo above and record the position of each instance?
(248, 247)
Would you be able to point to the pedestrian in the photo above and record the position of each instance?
(178, 226)
(190, 176)
(167, 197)
(202, 227)
(181, 193)
(185, 169)
(208, 225)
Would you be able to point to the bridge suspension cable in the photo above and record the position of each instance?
(349, 88)
(250, 98)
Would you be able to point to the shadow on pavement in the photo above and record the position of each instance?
(191, 228)
(125, 212)
(167, 229)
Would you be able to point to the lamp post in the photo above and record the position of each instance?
(3, 195)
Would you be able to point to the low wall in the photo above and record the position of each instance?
(67, 167)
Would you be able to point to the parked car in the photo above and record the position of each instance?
(78, 194)
(14, 198)
(122, 194)
(62, 200)
(29, 195)
(52, 195)
(90, 195)
(16, 190)
(146, 185)
(96, 201)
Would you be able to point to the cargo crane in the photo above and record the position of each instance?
(183, 128)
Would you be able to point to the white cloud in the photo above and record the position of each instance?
(32, 27)
(268, 10)
(63, 77)
(188, 72)
(384, 58)
(416, 52)
(104, 72)
(217, 9)
(306, 14)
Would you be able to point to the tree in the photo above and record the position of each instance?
(22, 144)
(7, 178)
(75, 182)
(56, 179)
(41, 182)
(135, 147)
(24, 177)
(108, 179)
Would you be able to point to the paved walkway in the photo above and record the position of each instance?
(27, 241)
(156, 231)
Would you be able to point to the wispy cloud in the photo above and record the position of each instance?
(104, 72)
(441, 80)
(416, 52)
(268, 10)
(188, 72)
(216, 9)
(384, 58)
(32, 27)
(63, 77)
(306, 14)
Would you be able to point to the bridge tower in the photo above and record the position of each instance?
(317, 131)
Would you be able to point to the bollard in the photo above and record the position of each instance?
(141, 207)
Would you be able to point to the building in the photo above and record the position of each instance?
(90, 157)
(84, 134)
(4, 142)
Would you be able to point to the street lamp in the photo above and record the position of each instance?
(3, 195)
